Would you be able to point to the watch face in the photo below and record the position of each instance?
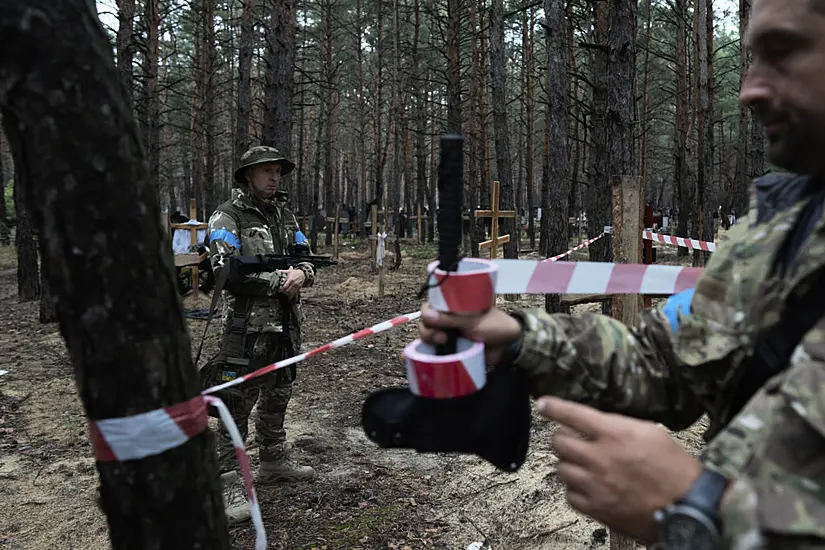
(684, 532)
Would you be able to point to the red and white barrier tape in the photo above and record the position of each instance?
(363, 333)
(540, 277)
(155, 432)
(147, 434)
(469, 289)
(246, 471)
(579, 247)
(693, 244)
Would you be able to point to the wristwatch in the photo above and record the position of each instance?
(693, 522)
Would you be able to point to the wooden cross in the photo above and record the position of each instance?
(336, 221)
(495, 213)
(191, 259)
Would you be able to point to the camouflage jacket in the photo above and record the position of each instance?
(246, 226)
(774, 448)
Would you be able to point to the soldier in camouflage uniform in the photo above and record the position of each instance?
(255, 221)
(691, 356)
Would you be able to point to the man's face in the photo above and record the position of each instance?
(785, 85)
(264, 179)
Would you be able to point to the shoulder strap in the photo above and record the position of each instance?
(775, 345)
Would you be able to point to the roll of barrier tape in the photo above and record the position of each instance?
(471, 289)
(445, 376)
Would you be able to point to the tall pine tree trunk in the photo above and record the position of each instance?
(684, 189)
(280, 75)
(126, 46)
(211, 192)
(554, 212)
(598, 199)
(246, 48)
(129, 355)
(704, 185)
(739, 192)
(530, 109)
(498, 88)
(454, 116)
(149, 108)
(28, 278)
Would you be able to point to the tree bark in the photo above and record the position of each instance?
(454, 116)
(4, 216)
(554, 211)
(210, 197)
(61, 102)
(48, 311)
(530, 109)
(684, 189)
(246, 48)
(28, 278)
(598, 199)
(504, 165)
(280, 76)
(704, 186)
(126, 46)
(739, 192)
(149, 104)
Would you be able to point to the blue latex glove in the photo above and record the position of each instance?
(678, 303)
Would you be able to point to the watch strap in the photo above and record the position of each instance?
(706, 493)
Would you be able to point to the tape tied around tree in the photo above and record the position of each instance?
(470, 289)
(154, 432)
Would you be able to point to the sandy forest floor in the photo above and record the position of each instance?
(364, 498)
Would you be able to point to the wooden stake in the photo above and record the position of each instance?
(381, 267)
(627, 248)
(374, 231)
(420, 238)
(337, 237)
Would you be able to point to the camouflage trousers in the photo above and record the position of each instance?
(272, 396)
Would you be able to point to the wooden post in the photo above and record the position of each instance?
(418, 234)
(335, 222)
(374, 231)
(337, 225)
(193, 240)
(381, 267)
(627, 248)
(647, 249)
(495, 213)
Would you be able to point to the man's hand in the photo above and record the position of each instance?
(618, 470)
(294, 281)
(495, 328)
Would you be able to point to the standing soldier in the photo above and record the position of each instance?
(262, 318)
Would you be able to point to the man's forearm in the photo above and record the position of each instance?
(599, 361)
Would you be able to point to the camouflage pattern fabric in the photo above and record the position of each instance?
(774, 448)
(272, 396)
(246, 225)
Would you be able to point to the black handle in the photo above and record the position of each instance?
(450, 190)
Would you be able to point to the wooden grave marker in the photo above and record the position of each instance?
(496, 240)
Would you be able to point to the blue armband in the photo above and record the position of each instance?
(300, 238)
(225, 235)
(675, 304)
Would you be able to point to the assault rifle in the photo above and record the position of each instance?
(242, 266)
